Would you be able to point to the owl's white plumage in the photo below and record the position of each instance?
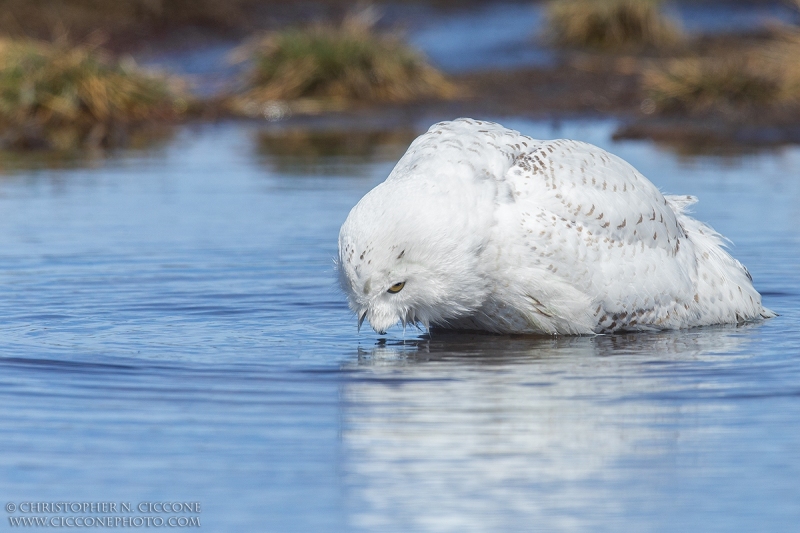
(493, 230)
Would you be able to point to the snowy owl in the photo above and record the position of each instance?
(479, 227)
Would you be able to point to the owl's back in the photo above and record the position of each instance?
(580, 241)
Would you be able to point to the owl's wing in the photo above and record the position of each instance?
(605, 231)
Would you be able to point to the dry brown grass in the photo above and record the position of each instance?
(782, 57)
(700, 84)
(60, 96)
(764, 76)
(611, 24)
(331, 66)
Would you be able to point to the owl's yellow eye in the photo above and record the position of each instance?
(397, 287)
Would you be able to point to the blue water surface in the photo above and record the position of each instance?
(172, 331)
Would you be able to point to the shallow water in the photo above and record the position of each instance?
(708, 17)
(172, 332)
(496, 35)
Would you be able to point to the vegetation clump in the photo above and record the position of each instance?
(62, 97)
(610, 24)
(763, 77)
(703, 83)
(331, 66)
(781, 56)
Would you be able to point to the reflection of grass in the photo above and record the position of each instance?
(148, 139)
(58, 96)
(336, 65)
(701, 136)
(610, 23)
(300, 150)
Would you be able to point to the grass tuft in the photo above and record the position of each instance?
(62, 97)
(766, 76)
(335, 66)
(780, 56)
(611, 24)
(699, 84)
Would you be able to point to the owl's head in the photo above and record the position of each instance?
(402, 259)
